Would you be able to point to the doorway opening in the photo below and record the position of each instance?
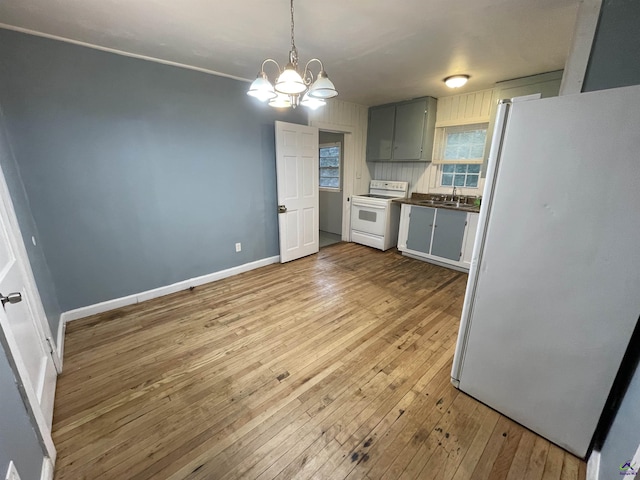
(331, 184)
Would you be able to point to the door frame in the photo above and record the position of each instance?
(27, 391)
(349, 163)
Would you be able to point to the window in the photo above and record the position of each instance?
(460, 175)
(330, 166)
(460, 153)
(461, 144)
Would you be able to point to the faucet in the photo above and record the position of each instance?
(453, 197)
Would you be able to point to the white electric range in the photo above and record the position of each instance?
(375, 217)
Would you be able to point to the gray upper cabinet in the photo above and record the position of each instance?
(380, 132)
(402, 132)
(410, 119)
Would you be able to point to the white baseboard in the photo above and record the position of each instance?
(60, 339)
(593, 466)
(47, 469)
(101, 307)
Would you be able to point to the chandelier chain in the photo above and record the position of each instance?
(293, 43)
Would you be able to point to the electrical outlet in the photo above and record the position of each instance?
(12, 473)
(238, 247)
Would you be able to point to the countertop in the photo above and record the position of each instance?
(440, 201)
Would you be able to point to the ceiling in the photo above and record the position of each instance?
(375, 51)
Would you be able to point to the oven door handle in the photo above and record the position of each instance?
(374, 207)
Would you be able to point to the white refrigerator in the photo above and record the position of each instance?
(553, 293)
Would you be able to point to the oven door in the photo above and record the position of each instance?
(370, 219)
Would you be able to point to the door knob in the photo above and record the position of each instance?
(282, 209)
(15, 297)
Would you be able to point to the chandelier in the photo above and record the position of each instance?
(291, 88)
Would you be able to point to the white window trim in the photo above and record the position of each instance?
(331, 189)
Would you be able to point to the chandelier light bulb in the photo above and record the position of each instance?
(290, 81)
(323, 87)
(261, 88)
(280, 101)
(311, 102)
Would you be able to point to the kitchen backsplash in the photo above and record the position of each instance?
(422, 177)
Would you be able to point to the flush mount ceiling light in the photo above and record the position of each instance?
(291, 85)
(456, 81)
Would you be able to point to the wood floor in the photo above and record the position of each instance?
(335, 366)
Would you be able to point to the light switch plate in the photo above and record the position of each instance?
(12, 472)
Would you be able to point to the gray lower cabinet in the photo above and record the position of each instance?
(448, 234)
(438, 235)
(421, 229)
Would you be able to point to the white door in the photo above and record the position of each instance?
(297, 177)
(21, 320)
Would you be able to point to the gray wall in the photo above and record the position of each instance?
(28, 229)
(138, 174)
(614, 63)
(615, 57)
(18, 441)
(331, 202)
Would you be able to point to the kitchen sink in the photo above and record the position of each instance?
(441, 203)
